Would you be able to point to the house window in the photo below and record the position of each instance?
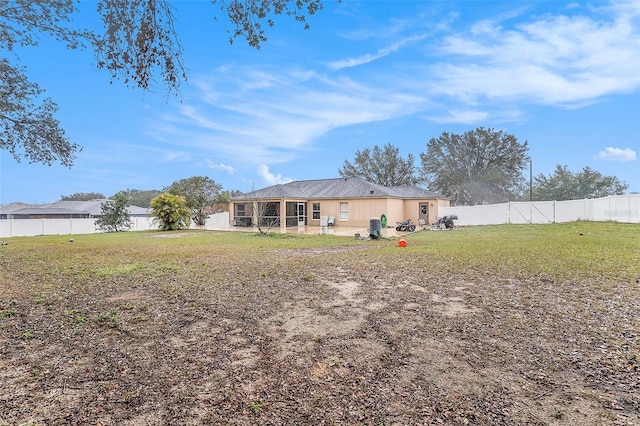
(344, 211)
(315, 211)
(240, 211)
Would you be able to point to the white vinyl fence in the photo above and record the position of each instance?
(617, 208)
(32, 227)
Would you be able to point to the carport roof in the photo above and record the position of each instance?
(352, 187)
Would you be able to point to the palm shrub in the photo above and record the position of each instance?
(171, 211)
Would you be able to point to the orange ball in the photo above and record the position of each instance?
(402, 242)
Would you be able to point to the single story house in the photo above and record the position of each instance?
(62, 210)
(340, 202)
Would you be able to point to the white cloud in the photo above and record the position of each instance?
(269, 178)
(461, 116)
(369, 57)
(617, 154)
(220, 166)
(563, 60)
(170, 156)
(242, 122)
(272, 114)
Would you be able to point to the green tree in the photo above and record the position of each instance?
(481, 166)
(383, 166)
(138, 45)
(221, 204)
(140, 197)
(250, 16)
(562, 184)
(28, 128)
(115, 216)
(83, 196)
(171, 211)
(200, 192)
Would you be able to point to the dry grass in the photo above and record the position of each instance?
(497, 325)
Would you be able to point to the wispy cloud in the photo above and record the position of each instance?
(258, 116)
(269, 178)
(555, 60)
(252, 124)
(220, 166)
(617, 154)
(461, 116)
(170, 156)
(370, 57)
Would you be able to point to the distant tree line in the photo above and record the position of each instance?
(563, 184)
(481, 166)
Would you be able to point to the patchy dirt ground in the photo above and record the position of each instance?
(333, 336)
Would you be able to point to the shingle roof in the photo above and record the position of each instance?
(337, 188)
(91, 207)
(9, 208)
(46, 210)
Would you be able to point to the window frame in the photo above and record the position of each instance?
(315, 213)
(343, 214)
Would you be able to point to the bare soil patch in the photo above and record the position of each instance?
(329, 336)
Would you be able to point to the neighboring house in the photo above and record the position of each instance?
(340, 202)
(7, 210)
(62, 210)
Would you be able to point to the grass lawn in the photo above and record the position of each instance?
(494, 325)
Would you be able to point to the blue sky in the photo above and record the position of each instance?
(562, 75)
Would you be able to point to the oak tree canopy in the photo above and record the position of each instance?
(137, 45)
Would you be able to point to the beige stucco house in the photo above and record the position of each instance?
(340, 202)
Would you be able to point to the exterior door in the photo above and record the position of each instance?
(424, 213)
(301, 213)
